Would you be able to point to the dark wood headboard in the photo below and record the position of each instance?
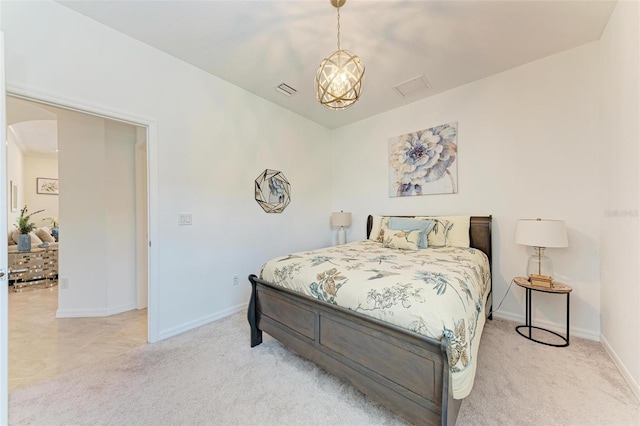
(479, 232)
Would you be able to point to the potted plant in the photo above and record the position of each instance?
(25, 227)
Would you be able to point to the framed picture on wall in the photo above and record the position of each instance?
(47, 186)
(424, 162)
(14, 197)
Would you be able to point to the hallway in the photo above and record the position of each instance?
(42, 346)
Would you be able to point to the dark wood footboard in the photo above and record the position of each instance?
(405, 372)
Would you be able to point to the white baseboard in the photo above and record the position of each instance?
(635, 387)
(202, 321)
(573, 331)
(79, 313)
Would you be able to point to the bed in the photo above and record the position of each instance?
(406, 370)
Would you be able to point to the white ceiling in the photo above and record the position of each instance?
(257, 45)
(33, 126)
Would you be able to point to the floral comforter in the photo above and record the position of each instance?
(434, 292)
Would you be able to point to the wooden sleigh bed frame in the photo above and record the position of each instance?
(406, 372)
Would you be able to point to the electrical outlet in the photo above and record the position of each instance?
(64, 283)
(235, 280)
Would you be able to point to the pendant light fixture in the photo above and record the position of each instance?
(339, 77)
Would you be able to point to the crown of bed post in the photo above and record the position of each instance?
(369, 225)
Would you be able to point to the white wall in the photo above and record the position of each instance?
(120, 219)
(213, 140)
(620, 155)
(15, 168)
(98, 215)
(23, 169)
(82, 257)
(528, 146)
(35, 166)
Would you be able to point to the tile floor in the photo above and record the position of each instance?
(43, 346)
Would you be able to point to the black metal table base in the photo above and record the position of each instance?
(530, 327)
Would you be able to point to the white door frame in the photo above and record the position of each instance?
(152, 179)
(4, 281)
(142, 248)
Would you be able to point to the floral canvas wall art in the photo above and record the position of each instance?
(424, 162)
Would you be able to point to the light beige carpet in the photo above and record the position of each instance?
(210, 376)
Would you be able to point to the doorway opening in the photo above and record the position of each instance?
(101, 210)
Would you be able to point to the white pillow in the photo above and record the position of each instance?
(378, 223)
(449, 231)
(44, 235)
(411, 224)
(403, 240)
(34, 239)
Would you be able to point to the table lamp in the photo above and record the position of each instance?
(541, 234)
(341, 219)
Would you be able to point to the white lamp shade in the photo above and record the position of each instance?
(341, 219)
(541, 233)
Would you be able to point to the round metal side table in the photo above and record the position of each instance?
(557, 288)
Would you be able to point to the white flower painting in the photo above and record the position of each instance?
(424, 162)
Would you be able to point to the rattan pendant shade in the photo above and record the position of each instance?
(340, 75)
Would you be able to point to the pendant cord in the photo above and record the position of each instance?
(338, 27)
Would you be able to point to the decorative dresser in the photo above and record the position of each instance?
(37, 266)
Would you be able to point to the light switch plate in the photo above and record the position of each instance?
(185, 219)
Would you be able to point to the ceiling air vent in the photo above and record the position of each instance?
(412, 86)
(286, 90)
